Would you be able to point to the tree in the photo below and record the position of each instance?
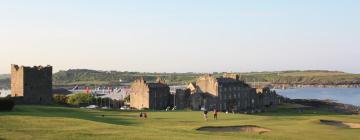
(79, 98)
(6, 104)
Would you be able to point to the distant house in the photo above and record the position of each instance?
(145, 95)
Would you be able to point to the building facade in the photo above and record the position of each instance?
(32, 85)
(230, 93)
(145, 95)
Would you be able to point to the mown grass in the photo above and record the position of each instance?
(61, 123)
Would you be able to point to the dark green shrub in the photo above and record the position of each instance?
(60, 99)
(6, 104)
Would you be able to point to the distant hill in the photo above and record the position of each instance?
(310, 77)
(84, 76)
(93, 77)
(4, 76)
(4, 81)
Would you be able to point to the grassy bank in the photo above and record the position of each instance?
(54, 122)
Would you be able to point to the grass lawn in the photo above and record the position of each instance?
(62, 123)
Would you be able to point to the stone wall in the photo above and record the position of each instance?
(139, 95)
(17, 81)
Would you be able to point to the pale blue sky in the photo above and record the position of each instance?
(181, 35)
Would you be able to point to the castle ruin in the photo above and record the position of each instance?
(31, 85)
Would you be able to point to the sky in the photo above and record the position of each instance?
(181, 35)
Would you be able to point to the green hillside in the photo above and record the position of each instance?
(283, 77)
(310, 77)
(93, 77)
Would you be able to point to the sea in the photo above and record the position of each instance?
(340, 95)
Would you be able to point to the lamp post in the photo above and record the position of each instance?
(174, 99)
(155, 101)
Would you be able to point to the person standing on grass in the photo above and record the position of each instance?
(145, 115)
(215, 114)
(206, 115)
(141, 115)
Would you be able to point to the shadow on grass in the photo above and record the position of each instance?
(109, 117)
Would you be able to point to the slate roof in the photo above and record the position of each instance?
(226, 80)
(230, 82)
(157, 85)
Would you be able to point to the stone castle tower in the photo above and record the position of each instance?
(32, 85)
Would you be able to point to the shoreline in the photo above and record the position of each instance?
(328, 105)
(292, 86)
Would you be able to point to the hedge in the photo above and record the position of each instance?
(6, 104)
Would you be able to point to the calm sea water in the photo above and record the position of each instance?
(341, 95)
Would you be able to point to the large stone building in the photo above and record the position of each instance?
(31, 85)
(229, 93)
(153, 96)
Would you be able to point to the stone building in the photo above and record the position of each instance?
(153, 96)
(229, 93)
(224, 93)
(32, 85)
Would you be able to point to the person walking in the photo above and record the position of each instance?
(206, 115)
(215, 114)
